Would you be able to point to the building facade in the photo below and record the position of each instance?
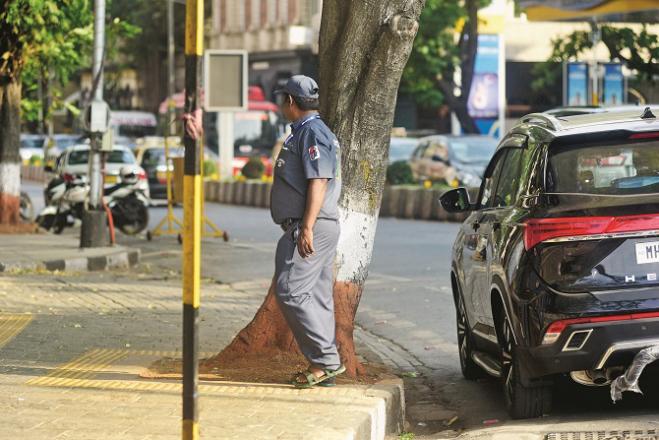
(281, 36)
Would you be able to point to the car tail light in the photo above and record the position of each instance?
(556, 328)
(539, 230)
(68, 178)
(646, 135)
(141, 175)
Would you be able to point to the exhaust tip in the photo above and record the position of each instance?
(591, 378)
(600, 380)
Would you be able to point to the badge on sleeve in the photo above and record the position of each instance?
(314, 152)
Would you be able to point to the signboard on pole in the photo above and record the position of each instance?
(576, 89)
(487, 95)
(225, 80)
(614, 90)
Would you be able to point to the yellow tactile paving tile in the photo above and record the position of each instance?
(80, 370)
(82, 367)
(12, 325)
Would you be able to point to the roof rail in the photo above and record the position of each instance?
(544, 119)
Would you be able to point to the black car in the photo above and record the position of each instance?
(556, 268)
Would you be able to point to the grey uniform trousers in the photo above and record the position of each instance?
(305, 292)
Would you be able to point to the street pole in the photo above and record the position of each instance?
(170, 110)
(93, 232)
(170, 67)
(225, 144)
(192, 220)
(595, 38)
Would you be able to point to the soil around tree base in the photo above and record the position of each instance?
(19, 228)
(274, 368)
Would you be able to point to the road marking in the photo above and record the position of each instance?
(12, 325)
(377, 275)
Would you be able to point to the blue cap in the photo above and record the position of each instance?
(300, 86)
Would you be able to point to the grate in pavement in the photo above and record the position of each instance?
(651, 434)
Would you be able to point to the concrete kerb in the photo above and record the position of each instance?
(114, 259)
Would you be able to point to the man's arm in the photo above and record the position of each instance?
(315, 198)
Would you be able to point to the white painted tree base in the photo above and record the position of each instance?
(355, 248)
(10, 178)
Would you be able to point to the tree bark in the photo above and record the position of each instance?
(10, 167)
(364, 47)
(468, 46)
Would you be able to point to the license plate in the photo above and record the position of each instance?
(647, 252)
(110, 179)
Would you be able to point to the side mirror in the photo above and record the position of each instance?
(456, 200)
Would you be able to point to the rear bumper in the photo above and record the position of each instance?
(607, 344)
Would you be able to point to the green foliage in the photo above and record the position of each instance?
(210, 168)
(435, 52)
(52, 39)
(150, 16)
(546, 74)
(254, 168)
(399, 173)
(638, 51)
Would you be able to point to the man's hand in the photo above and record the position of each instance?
(305, 242)
(193, 123)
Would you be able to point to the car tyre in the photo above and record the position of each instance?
(522, 401)
(470, 370)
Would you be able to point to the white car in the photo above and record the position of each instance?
(31, 145)
(74, 161)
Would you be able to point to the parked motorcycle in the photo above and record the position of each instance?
(127, 203)
(26, 208)
(66, 197)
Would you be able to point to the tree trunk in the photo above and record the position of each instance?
(10, 167)
(468, 45)
(364, 47)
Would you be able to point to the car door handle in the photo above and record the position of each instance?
(476, 225)
(496, 226)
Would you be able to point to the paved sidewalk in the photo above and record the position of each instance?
(72, 347)
(60, 252)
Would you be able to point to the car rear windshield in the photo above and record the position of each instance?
(614, 169)
(80, 157)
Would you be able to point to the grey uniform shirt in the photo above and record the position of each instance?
(310, 152)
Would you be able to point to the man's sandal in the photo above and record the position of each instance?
(327, 379)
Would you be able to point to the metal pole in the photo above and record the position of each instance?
(170, 108)
(225, 143)
(170, 66)
(595, 35)
(192, 219)
(95, 183)
(93, 232)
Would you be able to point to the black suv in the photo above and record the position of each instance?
(556, 268)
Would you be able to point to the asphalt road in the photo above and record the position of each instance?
(407, 301)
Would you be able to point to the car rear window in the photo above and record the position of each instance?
(618, 169)
(80, 157)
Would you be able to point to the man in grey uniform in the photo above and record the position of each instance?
(304, 201)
